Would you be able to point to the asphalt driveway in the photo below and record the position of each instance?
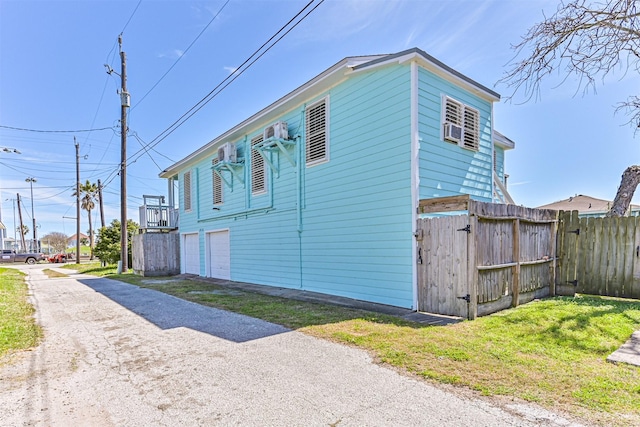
(118, 355)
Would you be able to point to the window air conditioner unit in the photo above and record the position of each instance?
(277, 130)
(452, 132)
(227, 153)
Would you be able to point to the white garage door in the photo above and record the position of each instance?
(219, 255)
(191, 254)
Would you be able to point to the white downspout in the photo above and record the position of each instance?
(415, 176)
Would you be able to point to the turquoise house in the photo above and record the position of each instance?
(319, 190)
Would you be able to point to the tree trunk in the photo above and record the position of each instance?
(628, 185)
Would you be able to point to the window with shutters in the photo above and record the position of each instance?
(217, 185)
(317, 142)
(187, 191)
(258, 171)
(467, 118)
(471, 135)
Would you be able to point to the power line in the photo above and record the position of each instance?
(131, 17)
(55, 131)
(255, 56)
(182, 55)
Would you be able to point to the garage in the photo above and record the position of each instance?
(219, 255)
(191, 253)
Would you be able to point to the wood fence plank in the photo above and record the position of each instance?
(629, 254)
(516, 257)
(553, 232)
(472, 271)
(635, 287)
(444, 204)
(584, 254)
(597, 268)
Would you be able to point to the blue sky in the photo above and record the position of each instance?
(52, 77)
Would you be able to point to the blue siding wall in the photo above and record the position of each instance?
(357, 236)
(445, 168)
(344, 227)
(356, 231)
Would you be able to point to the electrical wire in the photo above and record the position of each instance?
(181, 56)
(255, 56)
(131, 17)
(55, 131)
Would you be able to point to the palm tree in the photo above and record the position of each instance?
(88, 192)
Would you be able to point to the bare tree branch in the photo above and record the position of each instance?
(580, 40)
(589, 40)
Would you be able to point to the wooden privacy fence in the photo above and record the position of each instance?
(477, 258)
(486, 258)
(599, 256)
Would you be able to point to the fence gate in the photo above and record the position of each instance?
(599, 256)
(443, 256)
(494, 257)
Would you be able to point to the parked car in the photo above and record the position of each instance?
(9, 255)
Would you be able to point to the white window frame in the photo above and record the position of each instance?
(324, 159)
(468, 120)
(255, 158)
(187, 192)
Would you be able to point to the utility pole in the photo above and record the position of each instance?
(34, 247)
(77, 200)
(101, 204)
(125, 103)
(3, 234)
(24, 245)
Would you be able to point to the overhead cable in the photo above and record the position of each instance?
(255, 56)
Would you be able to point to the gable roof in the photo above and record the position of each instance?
(583, 204)
(324, 81)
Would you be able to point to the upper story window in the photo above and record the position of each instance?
(258, 171)
(461, 124)
(187, 190)
(317, 141)
(218, 198)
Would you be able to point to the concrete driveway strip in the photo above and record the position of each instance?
(118, 355)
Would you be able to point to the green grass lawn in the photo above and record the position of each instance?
(18, 329)
(551, 351)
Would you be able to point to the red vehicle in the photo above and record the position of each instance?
(58, 258)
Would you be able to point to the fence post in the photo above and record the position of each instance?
(554, 253)
(472, 268)
(516, 258)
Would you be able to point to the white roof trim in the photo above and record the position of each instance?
(324, 80)
(502, 141)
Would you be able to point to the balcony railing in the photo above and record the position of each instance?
(158, 217)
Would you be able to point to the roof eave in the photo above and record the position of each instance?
(502, 141)
(326, 79)
(437, 67)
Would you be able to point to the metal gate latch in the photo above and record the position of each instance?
(467, 298)
(467, 228)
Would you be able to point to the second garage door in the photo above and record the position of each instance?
(218, 247)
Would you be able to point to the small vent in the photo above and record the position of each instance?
(277, 130)
(452, 132)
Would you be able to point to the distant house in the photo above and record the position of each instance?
(587, 206)
(72, 240)
(319, 191)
